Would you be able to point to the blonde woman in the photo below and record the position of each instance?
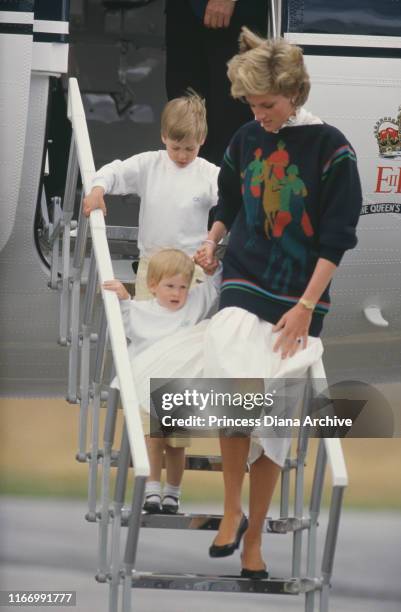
(286, 240)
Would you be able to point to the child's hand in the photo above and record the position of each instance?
(204, 256)
(211, 268)
(94, 200)
(117, 287)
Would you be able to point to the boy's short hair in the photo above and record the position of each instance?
(168, 263)
(185, 117)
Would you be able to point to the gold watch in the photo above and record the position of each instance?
(308, 304)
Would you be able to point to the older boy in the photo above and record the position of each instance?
(177, 188)
(175, 307)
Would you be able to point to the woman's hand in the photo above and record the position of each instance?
(294, 327)
(117, 287)
(94, 200)
(218, 13)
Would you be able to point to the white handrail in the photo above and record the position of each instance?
(335, 455)
(118, 342)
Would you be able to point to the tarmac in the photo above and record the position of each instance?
(48, 545)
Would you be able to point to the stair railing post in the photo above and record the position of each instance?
(131, 546)
(94, 449)
(65, 283)
(108, 438)
(302, 446)
(78, 260)
(54, 239)
(65, 224)
(331, 541)
(119, 497)
(314, 509)
(285, 487)
(89, 302)
(335, 460)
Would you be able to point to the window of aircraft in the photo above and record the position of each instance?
(358, 17)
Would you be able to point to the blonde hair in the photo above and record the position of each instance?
(168, 263)
(185, 117)
(268, 66)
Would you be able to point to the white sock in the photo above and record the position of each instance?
(153, 488)
(171, 490)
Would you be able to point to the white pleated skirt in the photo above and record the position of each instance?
(233, 344)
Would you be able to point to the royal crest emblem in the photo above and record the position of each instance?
(388, 135)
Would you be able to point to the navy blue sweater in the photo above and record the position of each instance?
(288, 198)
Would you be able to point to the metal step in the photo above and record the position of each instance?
(211, 522)
(204, 522)
(200, 522)
(192, 462)
(227, 584)
(203, 463)
(287, 525)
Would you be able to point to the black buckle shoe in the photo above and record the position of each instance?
(225, 550)
(152, 507)
(261, 574)
(170, 508)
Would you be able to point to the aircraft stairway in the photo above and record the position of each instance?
(90, 322)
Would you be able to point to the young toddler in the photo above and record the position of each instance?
(174, 307)
(177, 188)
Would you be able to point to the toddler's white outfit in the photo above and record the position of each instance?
(233, 344)
(146, 322)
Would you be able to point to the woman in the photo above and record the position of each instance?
(280, 258)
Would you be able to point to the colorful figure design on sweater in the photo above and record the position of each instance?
(291, 230)
(274, 172)
(251, 190)
(256, 169)
(290, 256)
(292, 191)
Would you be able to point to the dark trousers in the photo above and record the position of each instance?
(197, 57)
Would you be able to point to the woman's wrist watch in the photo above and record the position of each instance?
(308, 304)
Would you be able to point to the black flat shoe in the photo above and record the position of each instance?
(152, 507)
(172, 507)
(225, 550)
(261, 574)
